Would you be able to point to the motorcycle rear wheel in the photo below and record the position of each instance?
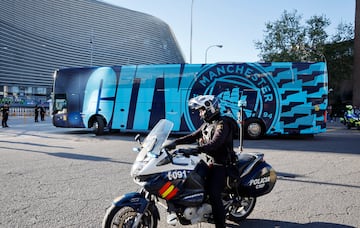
(124, 217)
(241, 209)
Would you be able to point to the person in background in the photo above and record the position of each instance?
(42, 113)
(36, 110)
(5, 115)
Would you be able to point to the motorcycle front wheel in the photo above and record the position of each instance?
(124, 217)
(241, 209)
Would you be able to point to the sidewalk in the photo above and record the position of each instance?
(26, 122)
(334, 124)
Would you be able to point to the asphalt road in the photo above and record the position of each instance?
(53, 177)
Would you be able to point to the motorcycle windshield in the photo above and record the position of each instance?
(155, 139)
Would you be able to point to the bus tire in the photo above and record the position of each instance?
(98, 126)
(254, 129)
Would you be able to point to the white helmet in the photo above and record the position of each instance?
(209, 103)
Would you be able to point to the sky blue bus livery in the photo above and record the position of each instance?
(281, 97)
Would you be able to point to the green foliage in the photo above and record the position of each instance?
(340, 59)
(316, 37)
(287, 39)
(283, 39)
(345, 32)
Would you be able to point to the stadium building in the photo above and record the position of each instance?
(37, 37)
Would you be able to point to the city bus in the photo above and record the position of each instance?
(281, 98)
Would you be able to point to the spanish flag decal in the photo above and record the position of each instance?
(168, 191)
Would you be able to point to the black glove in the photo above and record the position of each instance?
(189, 151)
(169, 144)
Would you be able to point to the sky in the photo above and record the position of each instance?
(234, 24)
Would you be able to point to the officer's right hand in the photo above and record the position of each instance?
(188, 151)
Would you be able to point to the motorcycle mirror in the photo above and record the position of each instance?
(137, 138)
(136, 149)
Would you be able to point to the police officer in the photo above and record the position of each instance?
(36, 112)
(5, 115)
(214, 138)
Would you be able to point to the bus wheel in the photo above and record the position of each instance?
(254, 129)
(98, 126)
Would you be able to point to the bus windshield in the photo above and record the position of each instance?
(60, 103)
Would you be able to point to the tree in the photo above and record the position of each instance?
(283, 39)
(287, 40)
(340, 59)
(339, 54)
(344, 32)
(316, 37)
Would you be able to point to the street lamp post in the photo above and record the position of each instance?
(207, 49)
(191, 29)
(91, 47)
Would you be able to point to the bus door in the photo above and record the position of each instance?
(126, 95)
(73, 106)
(99, 97)
(175, 106)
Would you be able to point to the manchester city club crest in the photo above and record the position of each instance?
(234, 82)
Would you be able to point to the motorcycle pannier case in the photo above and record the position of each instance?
(259, 181)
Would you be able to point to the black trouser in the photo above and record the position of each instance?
(215, 186)
(4, 121)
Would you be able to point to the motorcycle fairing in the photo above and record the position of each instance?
(161, 186)
(193, 192)
(186, 192)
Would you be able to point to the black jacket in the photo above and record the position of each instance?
(5, 111)
(215, 139)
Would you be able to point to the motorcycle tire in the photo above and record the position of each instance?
(242, 209)
(124, 217)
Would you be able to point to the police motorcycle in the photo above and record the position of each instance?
(177, 178)
(350, 119)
